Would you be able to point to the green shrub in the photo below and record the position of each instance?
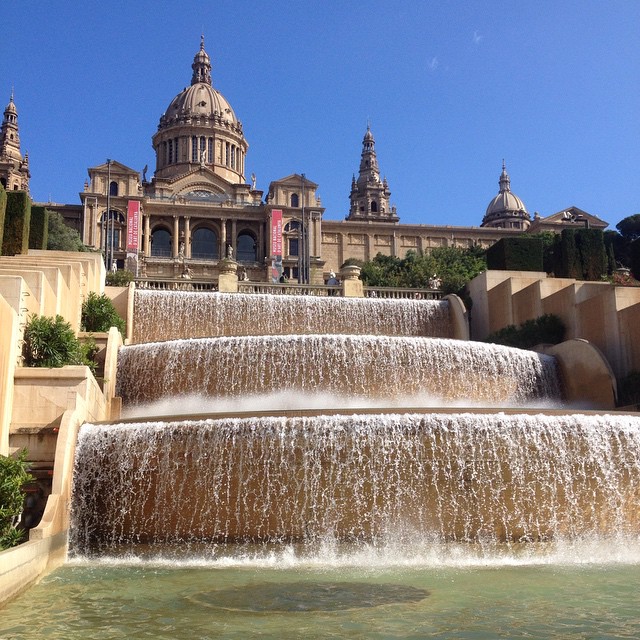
(50, 342)
(120, 278)
(547, 329)
(13, 477)
(516, 254)
(62, 237)
(16, 224)
(99, 314)
(580, 254)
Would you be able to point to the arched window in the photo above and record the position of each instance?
(246, 247)
(374, 206)
(161, 243)
(113, 228)
(295, 200)
(194, 149)
(113, 188)
(204, 244)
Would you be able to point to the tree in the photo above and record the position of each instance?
(629, 227)
(62, 237)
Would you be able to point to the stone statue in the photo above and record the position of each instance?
(229, 252)
(203, 157)
(253, 182)
(181, 251)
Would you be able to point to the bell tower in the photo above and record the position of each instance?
(14, 169)
(370, 195)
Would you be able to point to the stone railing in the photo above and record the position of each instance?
(392, 292)
(293, 289)
(175, 284)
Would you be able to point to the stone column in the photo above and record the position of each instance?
(146, 241)
(260, 251)
(228, 278)
(223, 238)
(176, 236)
(187, 237)
(234, 240)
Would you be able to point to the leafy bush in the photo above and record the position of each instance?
(547, 329)
(120, 278)
(61, 237)
(16, 223)
(51, 342)
(13, 476)
(99, 314)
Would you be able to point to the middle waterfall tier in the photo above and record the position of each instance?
(375, 367)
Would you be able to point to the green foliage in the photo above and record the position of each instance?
(13, 477)
(16, 224)
(629, 228)
(580, 254)
(455, 267)
(39, 228)
(99, 314)
(524, 253)
(547, 329)
(3, 210)
(120, 278)
(62, 237)
(629, 389)
(50, 342)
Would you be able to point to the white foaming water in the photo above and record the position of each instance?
(171, 315)
(380, 367)
(371, 479)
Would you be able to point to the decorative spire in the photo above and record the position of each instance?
(201, 65)
(505, 181)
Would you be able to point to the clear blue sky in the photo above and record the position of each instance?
(450, 89)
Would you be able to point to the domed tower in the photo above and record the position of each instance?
(14, 169)
(506, 210)
(199, 129)
(369, 195)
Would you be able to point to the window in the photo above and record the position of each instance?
(246, 247)
(374, 206)
(295, 200)
(194, 149)
(113, 188)
(293, 247)
(210, 151)
(161, 243)
(204, 244)
(170, 148)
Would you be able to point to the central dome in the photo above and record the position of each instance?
(199, 131)
(506, 210)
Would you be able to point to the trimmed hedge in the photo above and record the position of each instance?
(516, 254)
(39, 228)
(580, 254)
(16, 224)
(3, 209)
(634, 258)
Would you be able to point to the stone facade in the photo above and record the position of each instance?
(198, 206)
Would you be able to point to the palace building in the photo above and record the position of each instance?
(199, 207)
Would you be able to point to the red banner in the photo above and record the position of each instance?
(133, 225)
(276, 232)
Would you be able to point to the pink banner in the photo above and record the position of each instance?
(133, 225)
(276, 232)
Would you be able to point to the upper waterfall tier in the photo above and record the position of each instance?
(172, 315)
(375, 367)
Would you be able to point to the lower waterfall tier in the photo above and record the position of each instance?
(438, 477)
(344, 366)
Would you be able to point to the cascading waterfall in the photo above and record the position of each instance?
(170, 316)
(409, 477)
(390, 474)
(345, 366)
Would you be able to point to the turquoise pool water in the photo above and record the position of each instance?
(284, 594)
